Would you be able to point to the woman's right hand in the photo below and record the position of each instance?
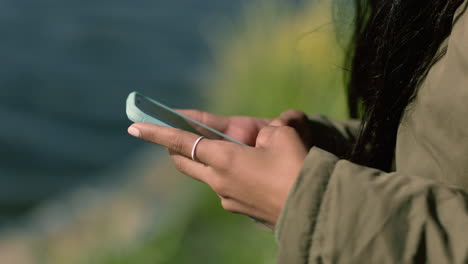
(245, 129)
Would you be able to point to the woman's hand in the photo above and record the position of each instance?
(242, 128)
(299, 121)
(245, 129)
(254, 181)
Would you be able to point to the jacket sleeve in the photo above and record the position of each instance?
(340, 212)
(334, 136)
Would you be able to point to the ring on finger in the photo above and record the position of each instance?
(194, 148)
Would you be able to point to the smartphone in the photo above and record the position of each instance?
(143, 109)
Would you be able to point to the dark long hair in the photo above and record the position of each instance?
(395, 43)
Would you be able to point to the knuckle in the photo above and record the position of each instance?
(180, 164)
(177, 144)
(293, 114)
(286, 131)
(227, 158)
(228, 205)
(266, 130)
(278, 122)
(265, 134)
(220, 187)
(260, 140)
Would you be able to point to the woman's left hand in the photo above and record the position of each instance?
(254, 181)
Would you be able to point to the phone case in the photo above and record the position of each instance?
(136, 115)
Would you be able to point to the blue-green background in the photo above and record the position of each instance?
(75, 188)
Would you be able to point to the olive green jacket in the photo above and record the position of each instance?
(340, 212)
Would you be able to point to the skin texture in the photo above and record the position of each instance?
(253, 180)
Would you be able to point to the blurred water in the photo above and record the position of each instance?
(66, 67)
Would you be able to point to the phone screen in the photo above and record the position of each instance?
(164, 114)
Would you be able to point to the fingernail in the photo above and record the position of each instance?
(134, 131)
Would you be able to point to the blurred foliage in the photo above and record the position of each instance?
(209, 236)
(280, 57)
(274, 58)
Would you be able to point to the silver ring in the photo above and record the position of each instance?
(195, 147)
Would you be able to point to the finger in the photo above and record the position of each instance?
(264, 136)
(193, 169)
(292, 118)
(217, 122)
(232, 206)
(173, 139)
(292, 115)
(200, 172)
(278, 122)
(289, 118)
(237, 207)
(208, 151)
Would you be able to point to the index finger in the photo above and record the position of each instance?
(181, 141)
(289, 118)
(217, 122)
